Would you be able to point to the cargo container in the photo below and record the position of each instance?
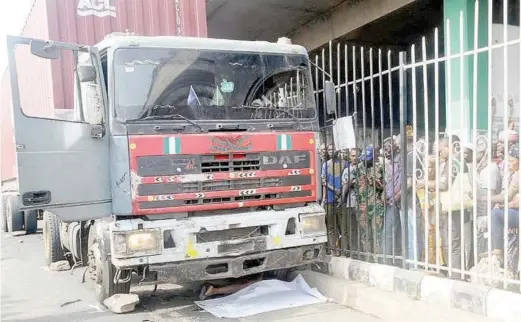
(47, 84)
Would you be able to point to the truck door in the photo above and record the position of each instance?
(62, 151)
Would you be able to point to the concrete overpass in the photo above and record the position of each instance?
(310, 23)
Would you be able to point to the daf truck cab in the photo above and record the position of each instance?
(184, 159)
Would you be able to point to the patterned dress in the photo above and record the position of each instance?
(369, 190)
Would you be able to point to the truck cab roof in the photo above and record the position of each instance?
(119, 40)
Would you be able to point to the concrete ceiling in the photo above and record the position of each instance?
(262, 19)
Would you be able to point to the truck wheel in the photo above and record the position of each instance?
(15, 218)
(51, 238)
(102, 273)
(31, 221)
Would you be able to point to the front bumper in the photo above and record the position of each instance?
(221, 268)
(188, 246)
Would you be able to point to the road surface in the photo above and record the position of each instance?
(30, 292)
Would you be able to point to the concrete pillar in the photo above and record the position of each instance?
(459, 77)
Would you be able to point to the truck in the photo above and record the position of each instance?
(184, 159)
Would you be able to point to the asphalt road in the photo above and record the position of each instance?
(30, 292)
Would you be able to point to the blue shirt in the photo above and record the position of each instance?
(332, 175)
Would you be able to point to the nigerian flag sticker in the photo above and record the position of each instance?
(171, 145)
(283, 142)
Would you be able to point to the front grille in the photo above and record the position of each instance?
(222, 185)
(231, 234)
(230, 166)
(230, 185)
(230, 199)
(208, 201)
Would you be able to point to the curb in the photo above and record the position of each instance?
(420, 285)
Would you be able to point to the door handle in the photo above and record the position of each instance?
(97, 131)
(33, 198)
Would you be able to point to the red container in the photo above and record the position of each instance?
(48, 84)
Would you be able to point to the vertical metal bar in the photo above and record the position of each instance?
(426, 162)
(346, 70)
(299, 101)
(391, 121)
(331, 60)
(436, 136)
(349, 205)
(414, 154)
(462, 155)
(291, 93)
(519, 183)
(371, 83)
(355, 112)
(338, 82)
(450, 161)
(380, 96)
(339, 113)
(364, 122)
(316, 79)
(489, 132)
(475, 133)
(333, 157)
(403, 156)
(505, 129)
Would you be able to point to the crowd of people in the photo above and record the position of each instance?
(373, 197)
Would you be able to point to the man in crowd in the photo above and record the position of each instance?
(414, 217)
(348, 192)
(368, 188)
(393, 171)
(332, 171)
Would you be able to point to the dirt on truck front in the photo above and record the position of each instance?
(248, 194)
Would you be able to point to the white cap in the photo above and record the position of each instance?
(284, 40)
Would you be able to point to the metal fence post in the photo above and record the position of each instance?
(403, 157)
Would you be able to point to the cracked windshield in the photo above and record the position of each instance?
(211, 85)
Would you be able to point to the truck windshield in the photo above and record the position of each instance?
(211, 85)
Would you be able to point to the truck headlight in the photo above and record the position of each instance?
(139, 242)
(313, 224)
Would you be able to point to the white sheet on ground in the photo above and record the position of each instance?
(263, 296)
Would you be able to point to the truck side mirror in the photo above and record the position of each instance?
(44, 49)
(86, 73)
(330, 97)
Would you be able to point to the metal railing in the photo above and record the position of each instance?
(439, 189)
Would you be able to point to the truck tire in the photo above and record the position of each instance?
(52, 246)
(103, 276)
(31, 221)
(15, 218)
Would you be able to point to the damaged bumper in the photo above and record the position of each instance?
(218, 239)
(221, 268)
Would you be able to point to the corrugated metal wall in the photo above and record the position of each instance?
(8, 154)
(46, 85)
(89, 21)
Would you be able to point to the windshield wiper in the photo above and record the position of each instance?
(172, 117)
(260, 108)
